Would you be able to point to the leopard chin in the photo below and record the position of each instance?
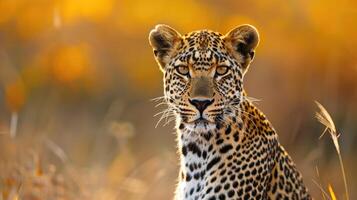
(200, 126)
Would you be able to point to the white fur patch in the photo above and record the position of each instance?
(200, 127)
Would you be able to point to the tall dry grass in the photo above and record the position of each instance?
(325, 118)
(33, 177)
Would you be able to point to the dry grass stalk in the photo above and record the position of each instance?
(319, 185)
(332, 193)
(325, 194)
(13, 124)
(324, 118)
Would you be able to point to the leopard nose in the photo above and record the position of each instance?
(201, 104)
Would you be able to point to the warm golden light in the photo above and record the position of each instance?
(70, 63)
(77, 76)
(15, 95)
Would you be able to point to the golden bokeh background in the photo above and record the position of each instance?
(77, 76)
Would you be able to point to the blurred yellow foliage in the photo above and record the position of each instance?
(32, 20)
(36, 74)
(70, 63)
(70, 41)
(8, 9)
(86, 9)
(139, 15)
(15, 95)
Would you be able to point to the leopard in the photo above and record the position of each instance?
(227, 147)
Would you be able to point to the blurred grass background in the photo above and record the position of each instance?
(78, 76)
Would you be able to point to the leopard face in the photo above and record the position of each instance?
(203, 72)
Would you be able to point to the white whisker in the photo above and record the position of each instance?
(158, 98)
(161, 103)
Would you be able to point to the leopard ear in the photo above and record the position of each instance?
(242, 41)
(164, 40)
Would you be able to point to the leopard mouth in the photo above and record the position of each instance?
(201, 121)
(200, 125)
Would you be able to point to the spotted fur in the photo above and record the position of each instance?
(228, 149)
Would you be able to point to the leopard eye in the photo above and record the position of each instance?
(222, 70)
(182, 69)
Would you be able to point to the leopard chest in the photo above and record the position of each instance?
(222, 165)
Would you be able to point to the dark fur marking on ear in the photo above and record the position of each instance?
(161, 42)
(251, 54)
(242, 48)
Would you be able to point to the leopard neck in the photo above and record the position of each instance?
(200, 151)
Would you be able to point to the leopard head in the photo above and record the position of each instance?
(203, 71)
